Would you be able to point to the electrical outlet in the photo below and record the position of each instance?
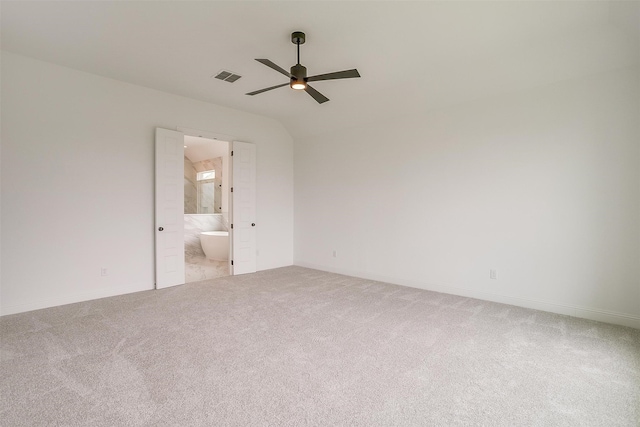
(104, 272)
(335, 253)
(493, 274)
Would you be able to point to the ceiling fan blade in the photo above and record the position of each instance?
(274, 66)
(316, 95)
(346, 74)
(266, 89)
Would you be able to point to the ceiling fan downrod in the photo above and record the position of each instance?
(298, 38)
(298, 71)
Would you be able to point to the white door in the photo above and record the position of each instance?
(243, 204)
(169, 208)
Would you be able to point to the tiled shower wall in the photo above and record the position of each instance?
(190, 192)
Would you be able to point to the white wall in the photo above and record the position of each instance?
(542, 186)
(77, 182)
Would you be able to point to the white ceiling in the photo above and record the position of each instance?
(198, 148)
(413, 56)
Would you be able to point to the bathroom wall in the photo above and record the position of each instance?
(213, 199)
(190, 189)
(193, 225)
(217, 165)
(207, 165)
(207, 154)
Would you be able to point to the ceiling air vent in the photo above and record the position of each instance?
(227, 76)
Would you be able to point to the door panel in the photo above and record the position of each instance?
(243, 215)
(169, 208)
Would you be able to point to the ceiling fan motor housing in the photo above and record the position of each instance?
(299, 72)
(298, 76)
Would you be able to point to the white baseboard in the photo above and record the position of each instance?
(73, 298)
(569, 310)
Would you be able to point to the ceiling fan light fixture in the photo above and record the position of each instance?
(298, 84)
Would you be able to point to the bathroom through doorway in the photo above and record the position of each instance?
(206, 208)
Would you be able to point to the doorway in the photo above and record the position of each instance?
(206, 208)
(170, 212)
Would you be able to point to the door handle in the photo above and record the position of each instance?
(160, 228)
(253, 224)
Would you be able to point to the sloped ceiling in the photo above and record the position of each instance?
(413, 56)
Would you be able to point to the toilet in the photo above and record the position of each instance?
(215, 245)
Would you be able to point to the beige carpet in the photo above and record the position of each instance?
(300, 347)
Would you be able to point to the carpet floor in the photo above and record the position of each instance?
(300, 347)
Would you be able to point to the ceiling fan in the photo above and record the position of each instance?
(298, 75)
